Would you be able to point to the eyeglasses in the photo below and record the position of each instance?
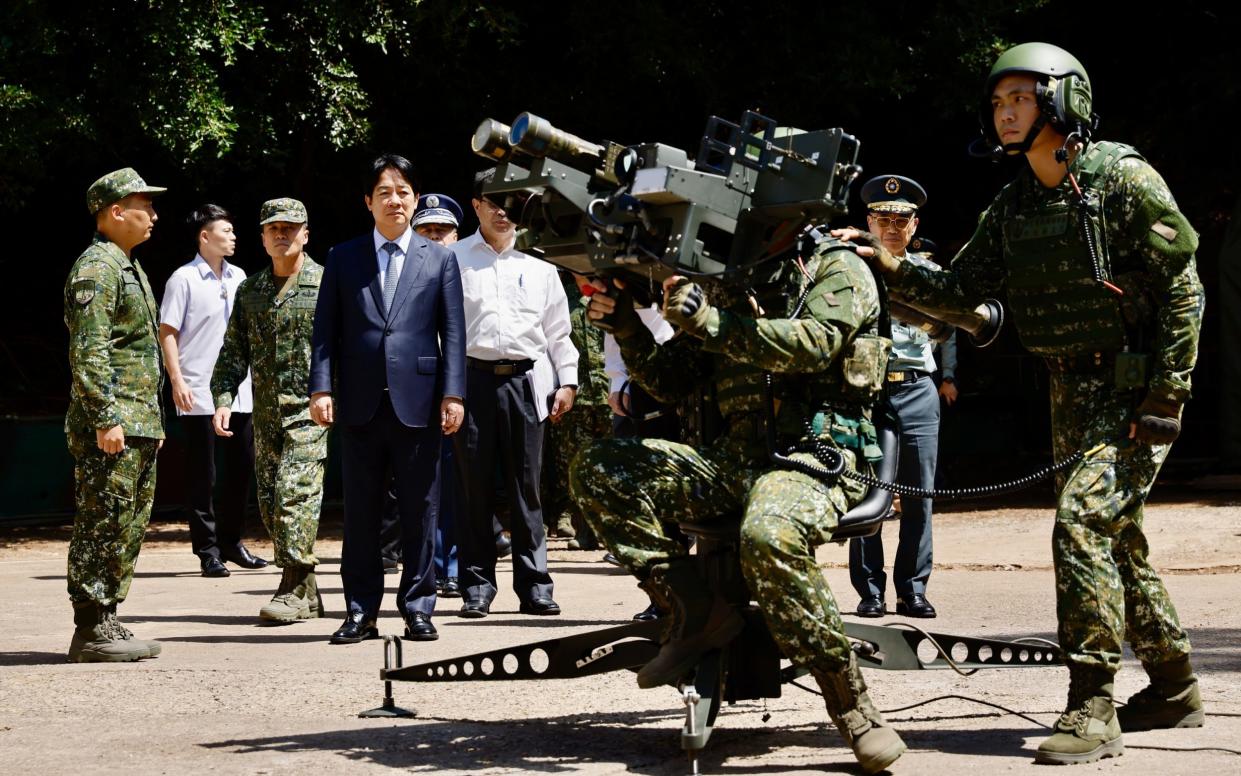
(883, 222)
(511, 203)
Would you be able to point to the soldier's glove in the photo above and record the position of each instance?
(622, 320)
(882, 258)
(685, 306)
(1158, 421)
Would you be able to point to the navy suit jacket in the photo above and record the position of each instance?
(417, 351)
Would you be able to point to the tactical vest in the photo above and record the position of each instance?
(824, 398)
(1058, 307)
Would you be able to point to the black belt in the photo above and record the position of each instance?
(1084, 363)
(906, 376)
(502, 366)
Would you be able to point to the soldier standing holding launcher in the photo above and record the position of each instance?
(115, 424)
(269, 334)
(1098, 264)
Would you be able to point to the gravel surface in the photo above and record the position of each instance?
(231, 696)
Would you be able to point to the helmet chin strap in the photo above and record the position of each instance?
(1012, 149)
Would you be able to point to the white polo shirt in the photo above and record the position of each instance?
(197, 304)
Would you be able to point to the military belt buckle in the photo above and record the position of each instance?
(896, 377)
(505, 369)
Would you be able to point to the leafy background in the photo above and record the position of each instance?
(236, 102)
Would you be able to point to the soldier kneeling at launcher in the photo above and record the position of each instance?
(823, 343)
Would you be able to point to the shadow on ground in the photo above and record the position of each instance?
(563, 744)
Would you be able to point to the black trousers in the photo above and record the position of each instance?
(375, 455)
(210, 534)
(501, 423)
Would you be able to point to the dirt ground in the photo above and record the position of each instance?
(229, 696)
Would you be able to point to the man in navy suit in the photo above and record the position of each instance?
(388, 351)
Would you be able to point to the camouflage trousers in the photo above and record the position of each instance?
(635, 491)
(290, 495)
(577, 430)
(113, 495)
(1106, 589)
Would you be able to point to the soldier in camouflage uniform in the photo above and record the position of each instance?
(1120, 336)
(269, 334)
(590, 421)
(829, 363)
(115, 423)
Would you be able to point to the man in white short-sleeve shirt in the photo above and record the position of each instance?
(193, 314)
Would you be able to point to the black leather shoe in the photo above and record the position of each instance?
(212, 567)
(915, 605)
(391, 565)
(451, 588)
(244, 558)
(871, 606)
(418, 627)
(504, 544)
(651, 612)
(612, 560)
(540, 606)
(358, 626)
(474, 610)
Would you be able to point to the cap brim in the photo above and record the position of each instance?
(893, 207)
(149, 190)
(445, 220)
(282, 217)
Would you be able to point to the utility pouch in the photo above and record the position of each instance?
(864, 366)
(1131, 369)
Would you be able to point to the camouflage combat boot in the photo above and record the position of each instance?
(564, 526)
(1171, 700)
(1088, 730)
(297, 598)
(700, 621)
(153, 647)
(96, 641)
(874, 744)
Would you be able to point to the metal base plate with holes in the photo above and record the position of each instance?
(595, 652)
(904, 648)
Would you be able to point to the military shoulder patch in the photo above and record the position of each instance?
(1164, 231)
(84, 290)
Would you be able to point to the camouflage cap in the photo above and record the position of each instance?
(284, 209)
(117, 185)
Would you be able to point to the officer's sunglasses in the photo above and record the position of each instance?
(883, 222)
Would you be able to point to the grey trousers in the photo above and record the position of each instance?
(916, 406)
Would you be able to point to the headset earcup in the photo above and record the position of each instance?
(1073, 100)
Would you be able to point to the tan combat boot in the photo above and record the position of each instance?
(153, 647)
(1088, 730)
(874, 744)
(313, 596)
(297, 598)
(96, 641)
(699, 621)
(1172, 699)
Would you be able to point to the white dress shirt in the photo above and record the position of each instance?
(382, 258)
(515, 308)
(197, 304)
(614, 365)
